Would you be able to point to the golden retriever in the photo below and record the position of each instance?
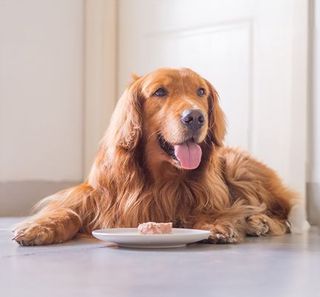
(162, 159)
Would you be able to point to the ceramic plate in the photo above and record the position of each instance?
(130, 237)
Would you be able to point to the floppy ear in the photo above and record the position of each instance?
(116, 156)
(125, 128)
(217, 124)
(134, 77)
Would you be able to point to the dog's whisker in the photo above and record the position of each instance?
(153, 133)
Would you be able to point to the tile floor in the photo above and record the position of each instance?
(269, 266)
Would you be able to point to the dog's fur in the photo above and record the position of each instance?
(133, 180)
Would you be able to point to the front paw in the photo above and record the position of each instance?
(33, 234)
(257, 225)
(221, 233)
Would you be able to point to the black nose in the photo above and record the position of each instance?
(193, 119)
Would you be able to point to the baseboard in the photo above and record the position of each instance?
(18, 197)
(313, 203)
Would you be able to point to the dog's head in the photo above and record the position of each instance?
(174, 113)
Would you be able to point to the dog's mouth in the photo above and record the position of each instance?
(188, 154)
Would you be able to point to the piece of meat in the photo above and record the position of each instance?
(155, 228)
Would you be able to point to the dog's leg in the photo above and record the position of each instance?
(253, 183)
(222, 231)
(48, 227)
(227, 231)
(58, 221)
(261, 224)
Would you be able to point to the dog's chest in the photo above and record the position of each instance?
(180, 200)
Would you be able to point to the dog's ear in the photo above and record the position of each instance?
(134, 77)
(217, 124)
(126, 123)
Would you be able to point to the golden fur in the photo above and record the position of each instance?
(133, 180)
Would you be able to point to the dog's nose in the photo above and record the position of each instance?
(193, 119)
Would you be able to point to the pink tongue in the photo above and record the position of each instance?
(189, 154)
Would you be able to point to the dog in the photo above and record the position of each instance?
(163, 159)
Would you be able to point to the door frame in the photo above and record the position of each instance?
(313, 169)
(300, 99)
(100, 76)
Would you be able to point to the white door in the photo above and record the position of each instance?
(253, 51)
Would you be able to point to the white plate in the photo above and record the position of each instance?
(130, 237)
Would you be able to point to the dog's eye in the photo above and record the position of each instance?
(201, 92)
(161, 92)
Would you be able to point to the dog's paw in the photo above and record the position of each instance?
(257, 225)
(33, 234)
(221, 233)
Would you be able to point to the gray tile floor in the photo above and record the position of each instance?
(277, 266)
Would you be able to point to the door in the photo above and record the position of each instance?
(253, 51)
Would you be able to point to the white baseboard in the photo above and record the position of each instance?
(18, 197)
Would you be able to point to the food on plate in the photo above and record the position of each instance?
(155, 228)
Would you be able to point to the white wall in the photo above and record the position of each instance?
(41, 89)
